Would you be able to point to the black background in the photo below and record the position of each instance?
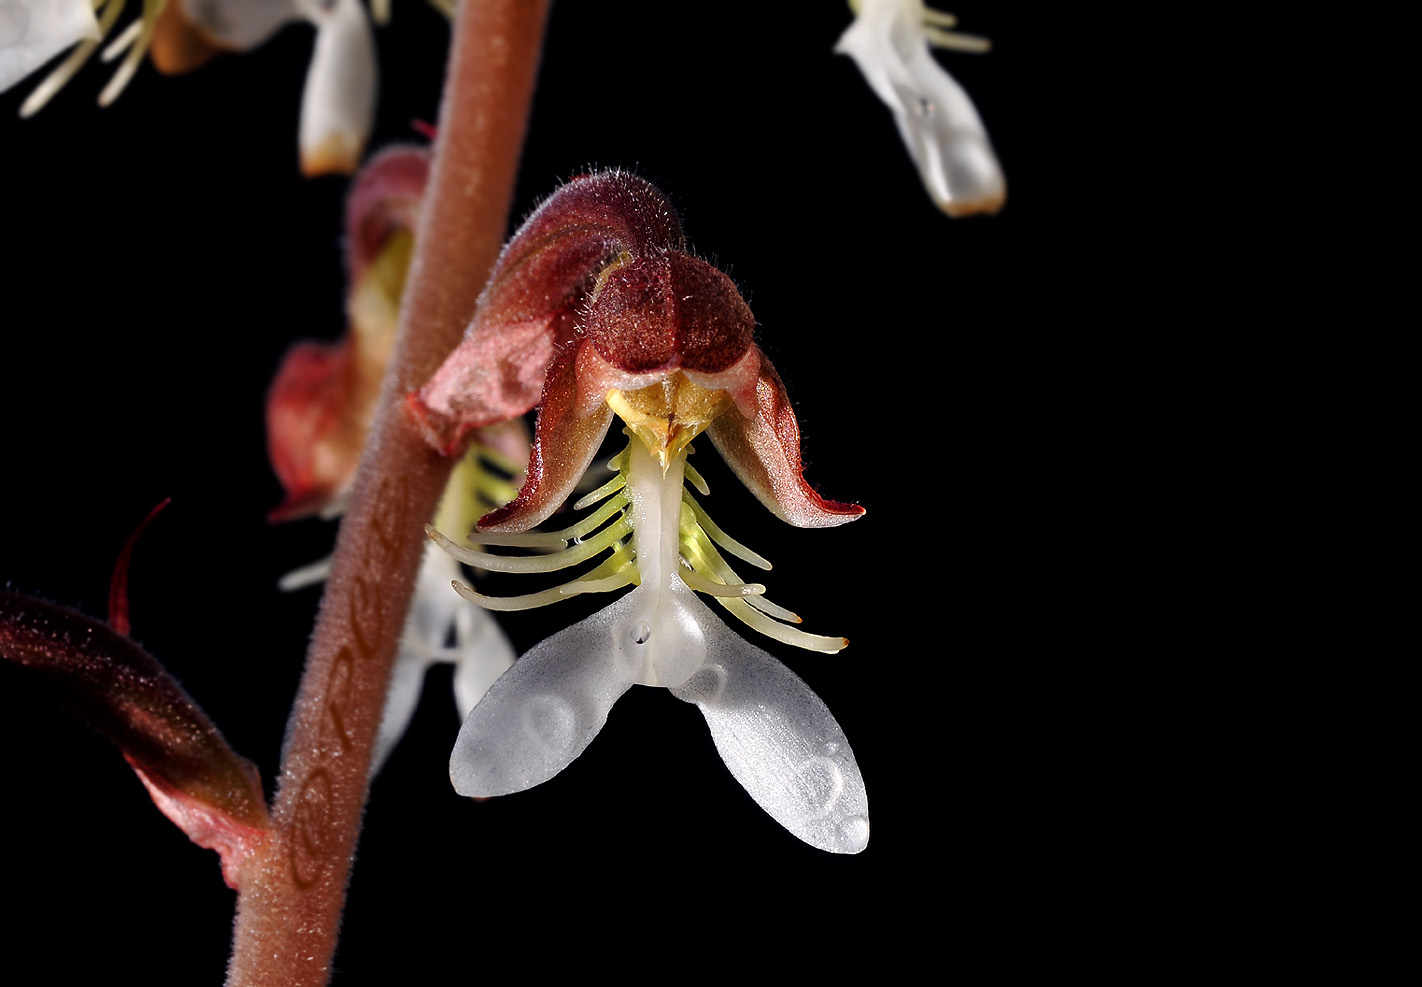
(162, 254)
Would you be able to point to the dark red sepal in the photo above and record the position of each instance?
(118, 582)
(528, 310)
(764, 451)
(669, 311)
(564, 443)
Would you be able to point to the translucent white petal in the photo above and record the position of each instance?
(545, 710)
(869, 42)
(779, 741)
(436, 608)
(479, 650)
(407, 679)
(34, 31)
(484, 654)
(242, 24)
(338, 105)
(936, 119)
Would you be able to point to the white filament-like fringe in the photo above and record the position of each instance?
(721, 538)
(702, 557)
(703, 569)
(307, 575)
(580, 552)
(117, 46)
(136, 51)
(697, 480)
(66, 69)
(607, 489)
(742, 610)
(553, 539)
(711, 587)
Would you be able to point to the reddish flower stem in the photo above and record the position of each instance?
(293, 888)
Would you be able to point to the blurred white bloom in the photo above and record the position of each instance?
(440, 628)
(34, 31)
(889, 40)
(338, 105)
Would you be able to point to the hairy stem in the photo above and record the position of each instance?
(289, 909)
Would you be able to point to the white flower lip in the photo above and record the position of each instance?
(777, 737)
(889, 41)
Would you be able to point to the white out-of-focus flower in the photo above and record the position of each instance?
(338, 105)
(889, 40)
(34, 31)
(442, 628)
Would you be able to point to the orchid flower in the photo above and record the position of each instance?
(319, 411)
(595, 309)
(889, 40)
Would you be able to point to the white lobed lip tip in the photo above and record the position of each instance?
(854, 834)
(941, 129)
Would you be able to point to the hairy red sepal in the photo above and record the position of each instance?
(669, 311)
(528, 310)
(564, 444)
(195, 779)
(596, 292)
(764, 451)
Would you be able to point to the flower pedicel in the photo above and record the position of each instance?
(595, 309)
